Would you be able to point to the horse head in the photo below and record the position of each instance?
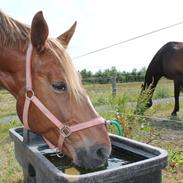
(58, 86)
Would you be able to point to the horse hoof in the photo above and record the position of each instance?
(173, 116)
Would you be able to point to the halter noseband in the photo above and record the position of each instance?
(64, 130)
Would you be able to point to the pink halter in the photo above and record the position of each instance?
(65, 130)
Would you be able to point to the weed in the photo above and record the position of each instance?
(119, 103)
(144, 99)
(175, 157)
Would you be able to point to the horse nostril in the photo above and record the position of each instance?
(102, 153)
(99, 153)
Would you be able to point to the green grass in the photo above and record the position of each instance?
(10, 171)
(163, 110)
(128, 93)
(99, 94)
(164, 89)
(142, 130)
(162, 92)
(7, 104)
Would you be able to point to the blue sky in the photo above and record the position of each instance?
(105, 22)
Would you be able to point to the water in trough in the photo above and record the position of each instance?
(117, 158)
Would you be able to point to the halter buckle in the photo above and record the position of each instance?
(29, 94)
(65, 131)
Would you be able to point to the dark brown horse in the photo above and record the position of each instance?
(57, 86)
(167, 62)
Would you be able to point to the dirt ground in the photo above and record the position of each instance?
(171, 139)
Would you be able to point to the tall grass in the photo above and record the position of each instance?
(119, 103)
(162, 92)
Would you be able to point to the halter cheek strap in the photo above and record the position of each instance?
(64, 130)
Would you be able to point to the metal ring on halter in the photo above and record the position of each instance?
(59, 154)
(29, 92)
(65, 131)
(107, 122)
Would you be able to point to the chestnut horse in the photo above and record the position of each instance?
(167, 62)
(56, 84)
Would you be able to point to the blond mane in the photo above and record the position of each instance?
(14, 34)
(71, 76)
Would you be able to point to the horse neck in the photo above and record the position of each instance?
(151, 78)
(12, 64)
(13, 40)
(148, 78)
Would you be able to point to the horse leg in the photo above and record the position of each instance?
(176, 96)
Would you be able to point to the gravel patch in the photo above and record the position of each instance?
(8, 119)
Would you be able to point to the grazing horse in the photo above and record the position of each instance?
(51, 100)
(167, 62)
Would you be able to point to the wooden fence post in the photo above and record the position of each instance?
(114, 85)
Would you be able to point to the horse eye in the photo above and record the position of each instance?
(60, 86)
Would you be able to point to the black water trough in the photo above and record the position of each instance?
(133, 162)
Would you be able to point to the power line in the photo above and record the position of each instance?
(128, 40)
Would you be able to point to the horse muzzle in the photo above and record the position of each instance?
(92, 157)
(149, 104)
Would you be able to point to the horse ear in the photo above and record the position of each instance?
(39, 31)
(66, 36)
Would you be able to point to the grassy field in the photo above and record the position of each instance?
(99, 94)
(166, 135)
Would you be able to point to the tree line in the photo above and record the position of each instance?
(104, 77)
